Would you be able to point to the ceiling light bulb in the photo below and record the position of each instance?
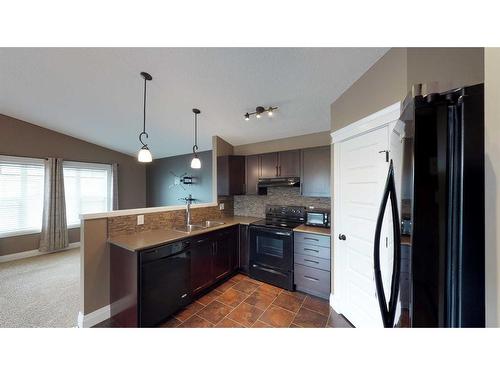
(144, 155)
(247, 117)
(257, 115)
(196, 162)
(270, 112)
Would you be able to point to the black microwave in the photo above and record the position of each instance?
(318, 218)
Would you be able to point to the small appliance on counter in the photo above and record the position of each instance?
(318, 217)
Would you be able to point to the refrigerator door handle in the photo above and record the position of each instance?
(388, 311)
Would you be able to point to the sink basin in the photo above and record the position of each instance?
(189, 228)
(212, 223)
(198, 226)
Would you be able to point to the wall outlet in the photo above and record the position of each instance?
(221, 206)
(140, 219)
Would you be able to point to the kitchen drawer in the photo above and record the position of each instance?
(311, 280)
(310, 261)
(312, 239)
(312, 250)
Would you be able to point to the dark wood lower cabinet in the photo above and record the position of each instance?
(148, 286)
(201, 264)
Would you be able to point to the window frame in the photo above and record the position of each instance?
(7, 159)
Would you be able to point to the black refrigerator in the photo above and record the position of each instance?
(434, 202)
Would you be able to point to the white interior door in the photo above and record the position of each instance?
(362, 171)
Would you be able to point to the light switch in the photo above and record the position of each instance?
(221, 206)
(140, 219)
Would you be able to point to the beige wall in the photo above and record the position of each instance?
(382, 85)
(223, 148)
(492, 181)
(451, 67)
(20, 138)
(392, 76)
(283, 144)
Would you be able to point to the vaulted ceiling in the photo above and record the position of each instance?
(95, 94)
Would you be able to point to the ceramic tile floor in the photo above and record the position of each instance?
(243, 302)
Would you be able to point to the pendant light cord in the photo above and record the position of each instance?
(195, 147)
(144, 117)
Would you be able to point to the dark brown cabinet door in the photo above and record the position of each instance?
(289, 163)
(201, 264)
(315, 179)
(224, 254)
(269, 165)
(231, 175)
(252, 173)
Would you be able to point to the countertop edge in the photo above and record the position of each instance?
(178, 235)
(313, 230)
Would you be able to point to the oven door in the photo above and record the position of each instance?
(271, 247)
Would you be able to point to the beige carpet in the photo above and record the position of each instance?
(41, 291)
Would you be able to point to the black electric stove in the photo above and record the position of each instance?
(271, 245)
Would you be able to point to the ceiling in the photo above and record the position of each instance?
(95, 94)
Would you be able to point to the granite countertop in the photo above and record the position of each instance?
(314, 230)
(147, 239)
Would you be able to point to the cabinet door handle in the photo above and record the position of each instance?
(311, 261)
(314, 250)
(277, 171)
(310, 238)
(280, 170)
(311, 278)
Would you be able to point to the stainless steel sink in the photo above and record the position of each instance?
(212, 223)
(189, 228)
(199, 226)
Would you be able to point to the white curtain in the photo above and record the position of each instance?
(54, 235)
(115, 186)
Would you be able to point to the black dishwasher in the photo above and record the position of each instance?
(164, 282)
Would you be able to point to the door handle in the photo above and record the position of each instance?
(342, 237)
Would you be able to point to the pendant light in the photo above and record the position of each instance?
(144, 155)
(196, 162)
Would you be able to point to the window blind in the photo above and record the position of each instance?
(21, 195)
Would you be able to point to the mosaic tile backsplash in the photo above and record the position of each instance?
(254, 205)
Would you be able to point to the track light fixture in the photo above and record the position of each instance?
(259, 111)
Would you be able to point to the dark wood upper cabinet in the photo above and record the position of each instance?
(252, 174)
(269, 165)
(315, 178)
(231, 175)
(289, 163)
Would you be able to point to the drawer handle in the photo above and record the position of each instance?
(310, 238)
(311, 261)
(311, 278)
(313, 250)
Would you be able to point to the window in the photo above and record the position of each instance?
(87, 188)
(21, 195)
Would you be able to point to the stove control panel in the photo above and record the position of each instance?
(295, 213)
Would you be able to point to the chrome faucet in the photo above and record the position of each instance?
(188, 201)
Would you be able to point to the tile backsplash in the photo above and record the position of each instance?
(254, 205)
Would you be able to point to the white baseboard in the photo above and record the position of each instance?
(95, 317)
(33, 253)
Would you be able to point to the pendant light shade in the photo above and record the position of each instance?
(195, 162)
(144, 155)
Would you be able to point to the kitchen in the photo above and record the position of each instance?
(227, 243)
(265, 210)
